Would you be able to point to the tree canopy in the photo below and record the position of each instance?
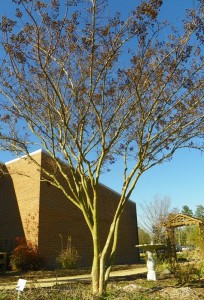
(154, 215)
(63, 88)
(187, 211)
(199, 211)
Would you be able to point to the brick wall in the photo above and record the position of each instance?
(58, 216)
(22, 188)
(126, 252)
(45, 214)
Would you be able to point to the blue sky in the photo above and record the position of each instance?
(181, 179)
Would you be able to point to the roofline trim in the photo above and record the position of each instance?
(108, 188)
(24, 156)
(43, 151)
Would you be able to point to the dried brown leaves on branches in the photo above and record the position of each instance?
(65, 89)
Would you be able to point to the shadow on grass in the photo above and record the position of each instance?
(128, 277)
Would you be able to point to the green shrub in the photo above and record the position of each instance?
(184, 272)
(25, 256)
(68, 257)
(201, 268)
(3, 295)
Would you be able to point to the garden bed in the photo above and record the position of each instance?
(133, 287)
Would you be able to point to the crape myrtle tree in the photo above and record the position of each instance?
(63, 86)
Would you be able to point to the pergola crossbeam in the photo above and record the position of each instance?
(180, 220)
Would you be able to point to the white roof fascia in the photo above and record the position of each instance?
(114, 191)
(41, 150)
(24, 156)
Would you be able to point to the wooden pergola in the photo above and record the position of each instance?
(176, 221)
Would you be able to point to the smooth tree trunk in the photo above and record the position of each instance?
(103, 261)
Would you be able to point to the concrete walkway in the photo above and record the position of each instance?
(49, 282)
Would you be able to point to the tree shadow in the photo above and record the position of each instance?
(128, 277)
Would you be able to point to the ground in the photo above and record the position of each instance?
(121, 287)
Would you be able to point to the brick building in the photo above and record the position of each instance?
(38, 211)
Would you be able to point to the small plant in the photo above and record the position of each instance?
(68, 257)
(201, 268)
(184, 272)
(25, 256)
